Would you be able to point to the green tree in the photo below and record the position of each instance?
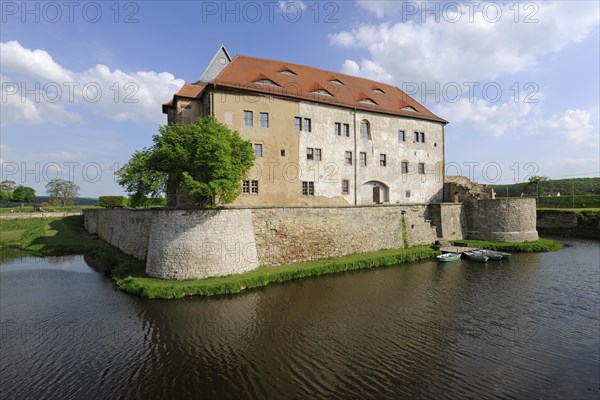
(5, 197)
(61, 192)
(139, 180)
(538, 183)
(6, 189)
(205, 159)
(23, 194)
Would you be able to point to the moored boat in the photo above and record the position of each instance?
(475, 256)
(448, 257)
(491, 255)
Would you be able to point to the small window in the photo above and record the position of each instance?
(348, 158)
(336, 81)
(382, 160)
(408, 193)
(297, 124)
(267, 82)
(377, 90)
(308, 188)
(250, 187)
(322, 92)
(345, 186)
(248, 118)
(310, 153)
(307, 125)
(317, 154)
(264, 120)
(368, 101)
(416, 137)
(222, 60)
(287, 72)
(401, 136)
(363, 159)
(346, 130)
(409, 108)
(404, 167)
(421, 168)
(365, 130)
(282, 152)
(422, 137)
(258, 150)
(337, 129)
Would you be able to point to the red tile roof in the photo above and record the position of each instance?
(243, 72)
(308, 83)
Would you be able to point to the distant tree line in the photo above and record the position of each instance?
(60, 192)
(580, 186)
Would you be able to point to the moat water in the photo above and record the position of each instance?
(523, 329)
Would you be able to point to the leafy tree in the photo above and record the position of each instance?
(206, 159)
(7, 186)
(538, 183)
(61, 192)
(23, 194)
(5, 197)
(6, 189)
(139, 180)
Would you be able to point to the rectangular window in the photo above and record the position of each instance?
(337, 129)
(401, 136)
(258, 150)
(248, 118)
(282, 152)
(382, 160)
(408, 193)
(363, 159)
(317, 154)
(345, 186)
(422, 137)
(250, 187)
(264, 120)
(404, 167)
(416, 137)
(348, 158)
(309, 153)
(346, 130)
(297, 124)
(421, 168)
(308, 188)
(307, 125)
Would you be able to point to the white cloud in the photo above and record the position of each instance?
(291, 6)
(382, 8)
(42, 91)
(65, 155)
(486, 117)
(574, 124)
(464, 51)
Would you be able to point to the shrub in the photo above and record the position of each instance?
(112, 201)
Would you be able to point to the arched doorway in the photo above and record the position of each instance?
(374, 192)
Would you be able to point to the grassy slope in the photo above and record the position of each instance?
(540, 245)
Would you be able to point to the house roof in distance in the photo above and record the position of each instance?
(307, 83)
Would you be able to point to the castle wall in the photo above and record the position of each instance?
(510, 220)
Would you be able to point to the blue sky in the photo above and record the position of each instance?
(542, 56)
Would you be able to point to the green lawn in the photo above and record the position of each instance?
(540, 245)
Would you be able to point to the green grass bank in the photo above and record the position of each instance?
(53, 236)
(538, 246)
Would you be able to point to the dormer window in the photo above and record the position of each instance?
(322, 92)
(336, 81)
(377, 90)
(409, 108)
(368, 101)
(287, 72)
(267, 82)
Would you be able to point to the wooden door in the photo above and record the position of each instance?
(376, 195)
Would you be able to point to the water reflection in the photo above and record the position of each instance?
(527, 328)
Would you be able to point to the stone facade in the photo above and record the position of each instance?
(510, 220)
(186, 244)
(556, 219)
